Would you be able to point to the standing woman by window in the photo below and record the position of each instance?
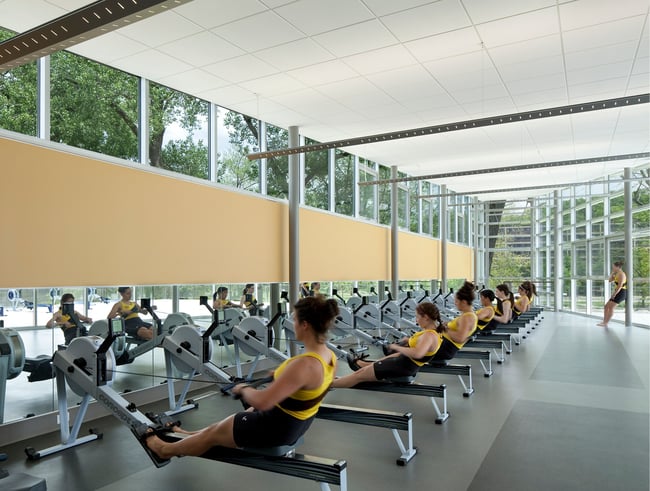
(619, 278)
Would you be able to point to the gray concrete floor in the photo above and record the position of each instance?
(568, 410)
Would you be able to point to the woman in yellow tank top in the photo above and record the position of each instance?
(129, 310)
(486, 313)
(619, 278)
(62, 320)
(406, 357)
(282, 412)
(459, 329)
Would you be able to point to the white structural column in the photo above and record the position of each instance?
(475, 218)
(43, 113)
(213, 146)
(629, 246)
(444, 224)
(294, 217)
(394, 233)
(558, 251)
(143, 118)
(261, 128)
(331, 177)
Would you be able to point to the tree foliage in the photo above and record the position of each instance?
(95, 107)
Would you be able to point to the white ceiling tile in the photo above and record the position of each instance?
(385, 7)
(521, 27)
(614, 32)
(315, 16)
(260, 105)
(541, 98)
(295, 54)
(537, 83)
(391, 111)
(586, 13)
(201, 49)
(69, 4)
(602, 55)
(226, 96)
(477, 79)
(602, 89)
(456, 65)
(638, 83)
(310, 102)
(355, 93)
(601, 72)
(407, 83)
(273, 85)
(439, 115)
(523, 51)
(152, 64)
(356, 39)
(19, 16)
(534, 67)
(323, 73)
(433, 18)
(259, 31)
(109, 47)
(380, 60)
(481, 11)
(213, 13)
(242, 68)
(193, 81)
(466, 96)
(488, 107)
(160, 29)
(445, 45)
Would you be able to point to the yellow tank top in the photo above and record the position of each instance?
(624, 287)
(127, 306)
(518, 305)
(304, 403)
(64, 318)
(481, 323)
(413, 341)
(452, 325)
(220, 303)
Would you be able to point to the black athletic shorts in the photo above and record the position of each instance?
(272, 428)
(395, 366)
(620, 297)
(132, 325)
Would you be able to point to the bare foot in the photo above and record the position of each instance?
(157, 445)
(601, 324)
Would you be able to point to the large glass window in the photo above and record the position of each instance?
(18, 96)
(367, 194)
(414, 206)
(178, 132)
(316, 177)
(344, 182)
(384, 196)
(237, 136)
(277, 168)
(95, 107)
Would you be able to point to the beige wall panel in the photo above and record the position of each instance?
(460, 262)
(419, 257)
(70, 220)
(338, 248)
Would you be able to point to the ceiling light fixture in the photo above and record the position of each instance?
(77, 26)
(510, 168)
(530, 188)
(461, 125)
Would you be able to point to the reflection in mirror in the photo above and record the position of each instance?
(36, 315)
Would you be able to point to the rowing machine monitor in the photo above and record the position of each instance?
(67, 308)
